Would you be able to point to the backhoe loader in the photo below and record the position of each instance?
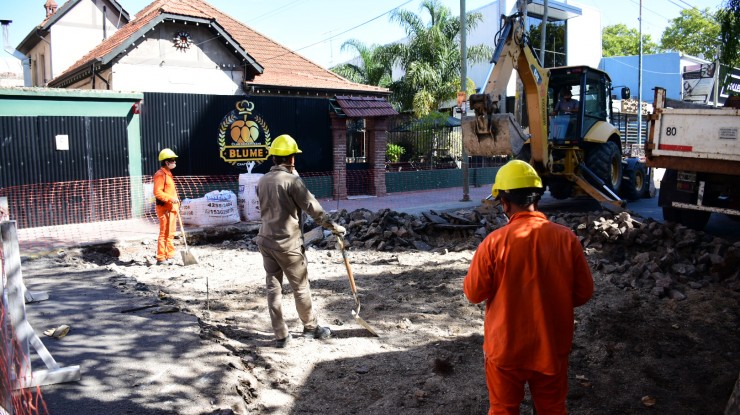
(576, 152)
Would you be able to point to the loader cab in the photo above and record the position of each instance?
(590, 90)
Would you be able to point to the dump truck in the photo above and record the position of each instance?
(699, 149)
(575, 153)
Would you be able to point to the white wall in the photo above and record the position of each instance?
(156, 65)
(152, 78)
(79, 31)
(584, 37)
(484, 33)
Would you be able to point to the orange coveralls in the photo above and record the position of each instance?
(164, 191)
(531, 273)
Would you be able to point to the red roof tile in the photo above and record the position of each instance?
(282, 67)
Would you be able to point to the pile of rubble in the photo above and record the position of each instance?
(663, 259)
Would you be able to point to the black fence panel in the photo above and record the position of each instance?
(420, 145)
(189, 124)
(97, 147)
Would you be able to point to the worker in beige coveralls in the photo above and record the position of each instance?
(283, 197)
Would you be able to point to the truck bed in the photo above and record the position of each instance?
(702, 140)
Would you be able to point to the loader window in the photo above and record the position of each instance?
(595, 98)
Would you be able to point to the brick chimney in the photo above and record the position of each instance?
(51, 7)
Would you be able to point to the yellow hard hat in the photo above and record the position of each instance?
(284, 145)
(167, 154)
(516, 174)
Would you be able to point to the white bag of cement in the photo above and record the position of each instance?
(218, 207)
(249, 204)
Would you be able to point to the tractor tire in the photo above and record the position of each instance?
(605, 160)
(637, 184)
(561, 189)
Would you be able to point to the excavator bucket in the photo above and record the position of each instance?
(494, 135)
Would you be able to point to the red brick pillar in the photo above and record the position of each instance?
(339, 155)
(376, 128)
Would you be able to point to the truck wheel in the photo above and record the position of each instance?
(605, 160)
(637, 185)
(561, 189)
(695, 219)
(671, 214)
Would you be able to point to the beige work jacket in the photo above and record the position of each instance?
(283, 196)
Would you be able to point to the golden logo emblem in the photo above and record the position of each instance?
(243, 137)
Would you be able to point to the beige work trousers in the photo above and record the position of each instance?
(293, 265)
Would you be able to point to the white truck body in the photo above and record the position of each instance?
(700, 150)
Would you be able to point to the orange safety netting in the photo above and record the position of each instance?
(22, 401)
(53, 215)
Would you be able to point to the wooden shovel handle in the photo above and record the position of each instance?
(182, 229)
(346, 265)
(349, 273)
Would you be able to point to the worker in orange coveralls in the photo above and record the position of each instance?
(531, 273)
(168, 206)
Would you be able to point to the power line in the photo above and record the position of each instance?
(272, 12)
(338, 34)
(651, 11)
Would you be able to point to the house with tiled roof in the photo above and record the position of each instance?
(186, 54)
(67, 33)
(183, 46)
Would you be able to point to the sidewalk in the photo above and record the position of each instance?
(38, 241)
(413, 203)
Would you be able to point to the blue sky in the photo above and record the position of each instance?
(317, 28)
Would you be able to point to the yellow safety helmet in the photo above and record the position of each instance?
(516, 174)
(284, 145)
(167, 154)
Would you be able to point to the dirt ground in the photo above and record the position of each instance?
(634, 352)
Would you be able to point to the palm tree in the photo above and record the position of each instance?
(431, 57)
(373, 67)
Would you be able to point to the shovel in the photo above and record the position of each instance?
(188, 258)
(355, 313)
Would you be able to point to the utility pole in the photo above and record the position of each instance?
(639, 87)
(463, 106)
(717, 68)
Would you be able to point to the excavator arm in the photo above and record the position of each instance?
(513, 52)
(492, 131)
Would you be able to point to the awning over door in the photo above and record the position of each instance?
(362, 107)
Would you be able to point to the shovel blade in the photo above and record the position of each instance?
(364, 324)
(188, 258)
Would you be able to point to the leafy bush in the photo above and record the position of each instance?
(393, 152)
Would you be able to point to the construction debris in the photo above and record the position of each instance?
(664, 259)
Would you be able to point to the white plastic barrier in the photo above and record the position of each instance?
(249, 204)
(218, 207)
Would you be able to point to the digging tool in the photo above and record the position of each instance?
(188, 258)
(355, 313)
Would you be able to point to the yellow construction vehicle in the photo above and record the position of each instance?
(576, 150)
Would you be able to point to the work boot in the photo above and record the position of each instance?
(319, 332)
(165, 262)
(284, 342)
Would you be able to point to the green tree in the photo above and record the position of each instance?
(729, 22)
(694, 32)
(619, 40)
(430, 58)
(373, 68)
